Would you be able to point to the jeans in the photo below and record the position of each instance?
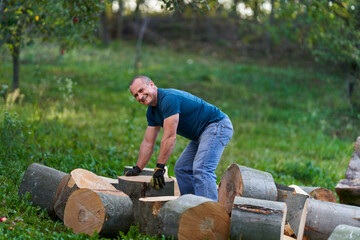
(195, 168)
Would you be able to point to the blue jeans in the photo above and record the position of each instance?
(195, 168)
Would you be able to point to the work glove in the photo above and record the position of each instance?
(133, 172)
(157, 180)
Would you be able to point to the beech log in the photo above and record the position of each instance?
(257, 219)
(149, 208)
(44, 184)
(323, 217)
(79, 178)
(348, 191)
(104, 211)
(112, 181)
(146, 171)
(353, 170)
(320, 193)
(194, 217)
(242, 181)
(139, 187)
(296, 211)
(345, 232)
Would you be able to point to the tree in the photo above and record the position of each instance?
(68, 22)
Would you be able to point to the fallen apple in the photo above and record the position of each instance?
(3, 219)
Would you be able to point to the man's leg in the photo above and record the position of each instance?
(184, 169)
(211, 146)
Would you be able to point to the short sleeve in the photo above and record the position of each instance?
(150, 118)
(170, 105)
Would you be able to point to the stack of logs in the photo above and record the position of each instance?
(250, 206)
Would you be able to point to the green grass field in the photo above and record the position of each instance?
(76, 112)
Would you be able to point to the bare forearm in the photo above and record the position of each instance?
(166, 148)
(145, 152)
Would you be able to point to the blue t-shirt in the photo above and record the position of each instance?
(194, 113)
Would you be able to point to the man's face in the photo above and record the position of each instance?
(144, 93)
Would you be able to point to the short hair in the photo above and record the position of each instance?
(143, 78)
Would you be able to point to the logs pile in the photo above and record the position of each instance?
(250, 205)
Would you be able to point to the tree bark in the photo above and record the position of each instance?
(296, 210)
(345, 232)
(16, 66)
(105, 35)
(257, 219)
(320, 193)
(139, 187)
(138, 45)
(44, 185)
(323, 217)
(242, 181)
(349, 191)
(353, 170)
(194, 217)
(104, 211)
(79, 178)
(149, 208)
(119, 20)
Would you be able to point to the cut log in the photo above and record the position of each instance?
(353, 170)
(242, 181)
(296, 210)
(104, 211)
(194, 217)
(299, 190)
(176, 187)
(139, 187)
(149, 208)
(320, 193)
(146, 171)
(323, 217)
(79, 178)
(112, 181)
(44, 185)
(257, 219)
(348, 191)
(345, 232)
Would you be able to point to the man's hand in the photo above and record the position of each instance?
(133, 172)
(157, 180)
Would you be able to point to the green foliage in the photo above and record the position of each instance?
(77, 112)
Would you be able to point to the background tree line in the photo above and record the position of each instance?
(287, 32)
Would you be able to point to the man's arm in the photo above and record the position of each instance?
(147, 146)
(169, 138)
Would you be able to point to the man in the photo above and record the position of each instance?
(179, 112)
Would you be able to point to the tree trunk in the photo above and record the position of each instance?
(105, 35)
(104, 211)
(194, 217)
(139, 187)
(296, 210)
(44, 185)
(320, 193)
(348, 191)
(242, 181)
(16, 66)
(138, 45)
(149, 208)
(323, 217)
(257, 219)
(345, 232)
(119, 20)
(353, 170)
(79, 178)
(269, 41)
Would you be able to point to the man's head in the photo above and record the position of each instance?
(144, 90)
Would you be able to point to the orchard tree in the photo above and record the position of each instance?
(68, 22)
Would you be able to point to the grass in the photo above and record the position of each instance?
(77, 112)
